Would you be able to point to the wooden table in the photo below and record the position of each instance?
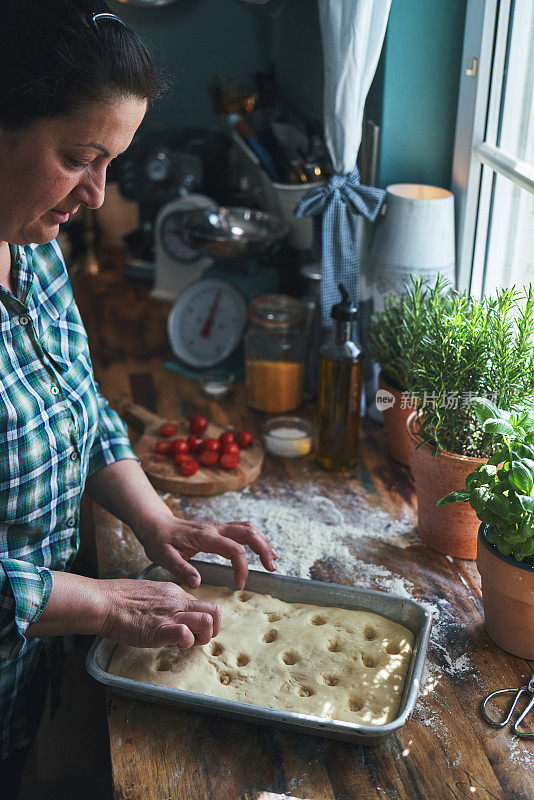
(445, 751)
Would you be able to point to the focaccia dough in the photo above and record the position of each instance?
(324, 661)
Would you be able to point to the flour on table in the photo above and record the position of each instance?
(519, 753)
(287, 515)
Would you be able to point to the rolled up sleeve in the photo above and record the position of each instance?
(24, 592)
(111, 442)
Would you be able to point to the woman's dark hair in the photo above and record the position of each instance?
(54, 60)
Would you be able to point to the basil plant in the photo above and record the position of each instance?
(501, 492)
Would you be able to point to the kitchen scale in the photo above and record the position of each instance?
(207, 322)
(177, 263)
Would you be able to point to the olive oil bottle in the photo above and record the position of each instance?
(340, 389)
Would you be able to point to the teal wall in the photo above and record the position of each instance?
(419, 92)
(295, 47)
(191, 41)
(413, 96)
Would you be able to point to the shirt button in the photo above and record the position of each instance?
(74, 456)
(23, 319)
(54, 390)
(71, 522)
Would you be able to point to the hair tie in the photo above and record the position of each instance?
(106, 15)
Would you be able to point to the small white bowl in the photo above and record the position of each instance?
(288, 437)
(216, 385)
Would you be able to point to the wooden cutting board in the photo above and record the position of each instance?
(162, 471)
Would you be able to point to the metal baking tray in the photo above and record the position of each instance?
(292, 590)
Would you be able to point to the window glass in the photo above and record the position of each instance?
(509, 251)
(516, 125)
(510, 243)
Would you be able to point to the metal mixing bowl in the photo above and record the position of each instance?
(233, 232)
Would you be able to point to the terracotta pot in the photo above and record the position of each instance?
(395, 418)
(508, 598)
(451, 529)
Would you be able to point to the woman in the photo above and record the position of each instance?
(74, 87)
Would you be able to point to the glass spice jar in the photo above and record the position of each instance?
(275, 349)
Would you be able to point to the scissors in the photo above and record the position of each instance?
(528, 690)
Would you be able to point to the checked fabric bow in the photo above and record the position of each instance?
(340, 201)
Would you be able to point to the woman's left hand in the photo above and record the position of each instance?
(173, 541)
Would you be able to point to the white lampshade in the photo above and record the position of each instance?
(414, 236)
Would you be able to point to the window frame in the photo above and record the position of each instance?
(477, 158)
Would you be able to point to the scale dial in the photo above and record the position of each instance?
(206, 323)
(171, 238)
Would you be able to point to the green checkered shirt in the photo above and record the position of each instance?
(56, 429)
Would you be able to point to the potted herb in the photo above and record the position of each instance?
(501, 493)
(392, 335)
(470, 348)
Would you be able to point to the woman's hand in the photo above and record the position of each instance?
(134, 612)
(155, 614)
(171, 542)
(124, 490)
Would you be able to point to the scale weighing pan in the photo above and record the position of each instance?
(233, 232)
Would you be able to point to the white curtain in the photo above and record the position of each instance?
(352, 33)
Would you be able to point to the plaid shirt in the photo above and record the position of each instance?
(56, 429)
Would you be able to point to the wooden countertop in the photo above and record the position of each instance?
(444, 752)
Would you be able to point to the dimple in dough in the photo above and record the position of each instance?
(320, 660)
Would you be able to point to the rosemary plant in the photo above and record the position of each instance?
(446, 348)
(393, 333)
(470, 348)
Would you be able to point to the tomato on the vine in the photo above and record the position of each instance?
(195, 443)
(208, 458)
(188, 466)
(198, 424)
(226, 437)
(244, 438)
(167, 429)
(229, 461)
(163, 448)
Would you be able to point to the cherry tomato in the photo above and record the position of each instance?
(229, 461)
(230, 449)
(163, 448)
(226, 438)
(208, 458)
(195, 443)
(188, 466)
(244, 438)
(180, 446)
(167, 429)
(212, 444)
(198, 424)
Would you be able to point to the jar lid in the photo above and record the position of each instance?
(276, 310)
